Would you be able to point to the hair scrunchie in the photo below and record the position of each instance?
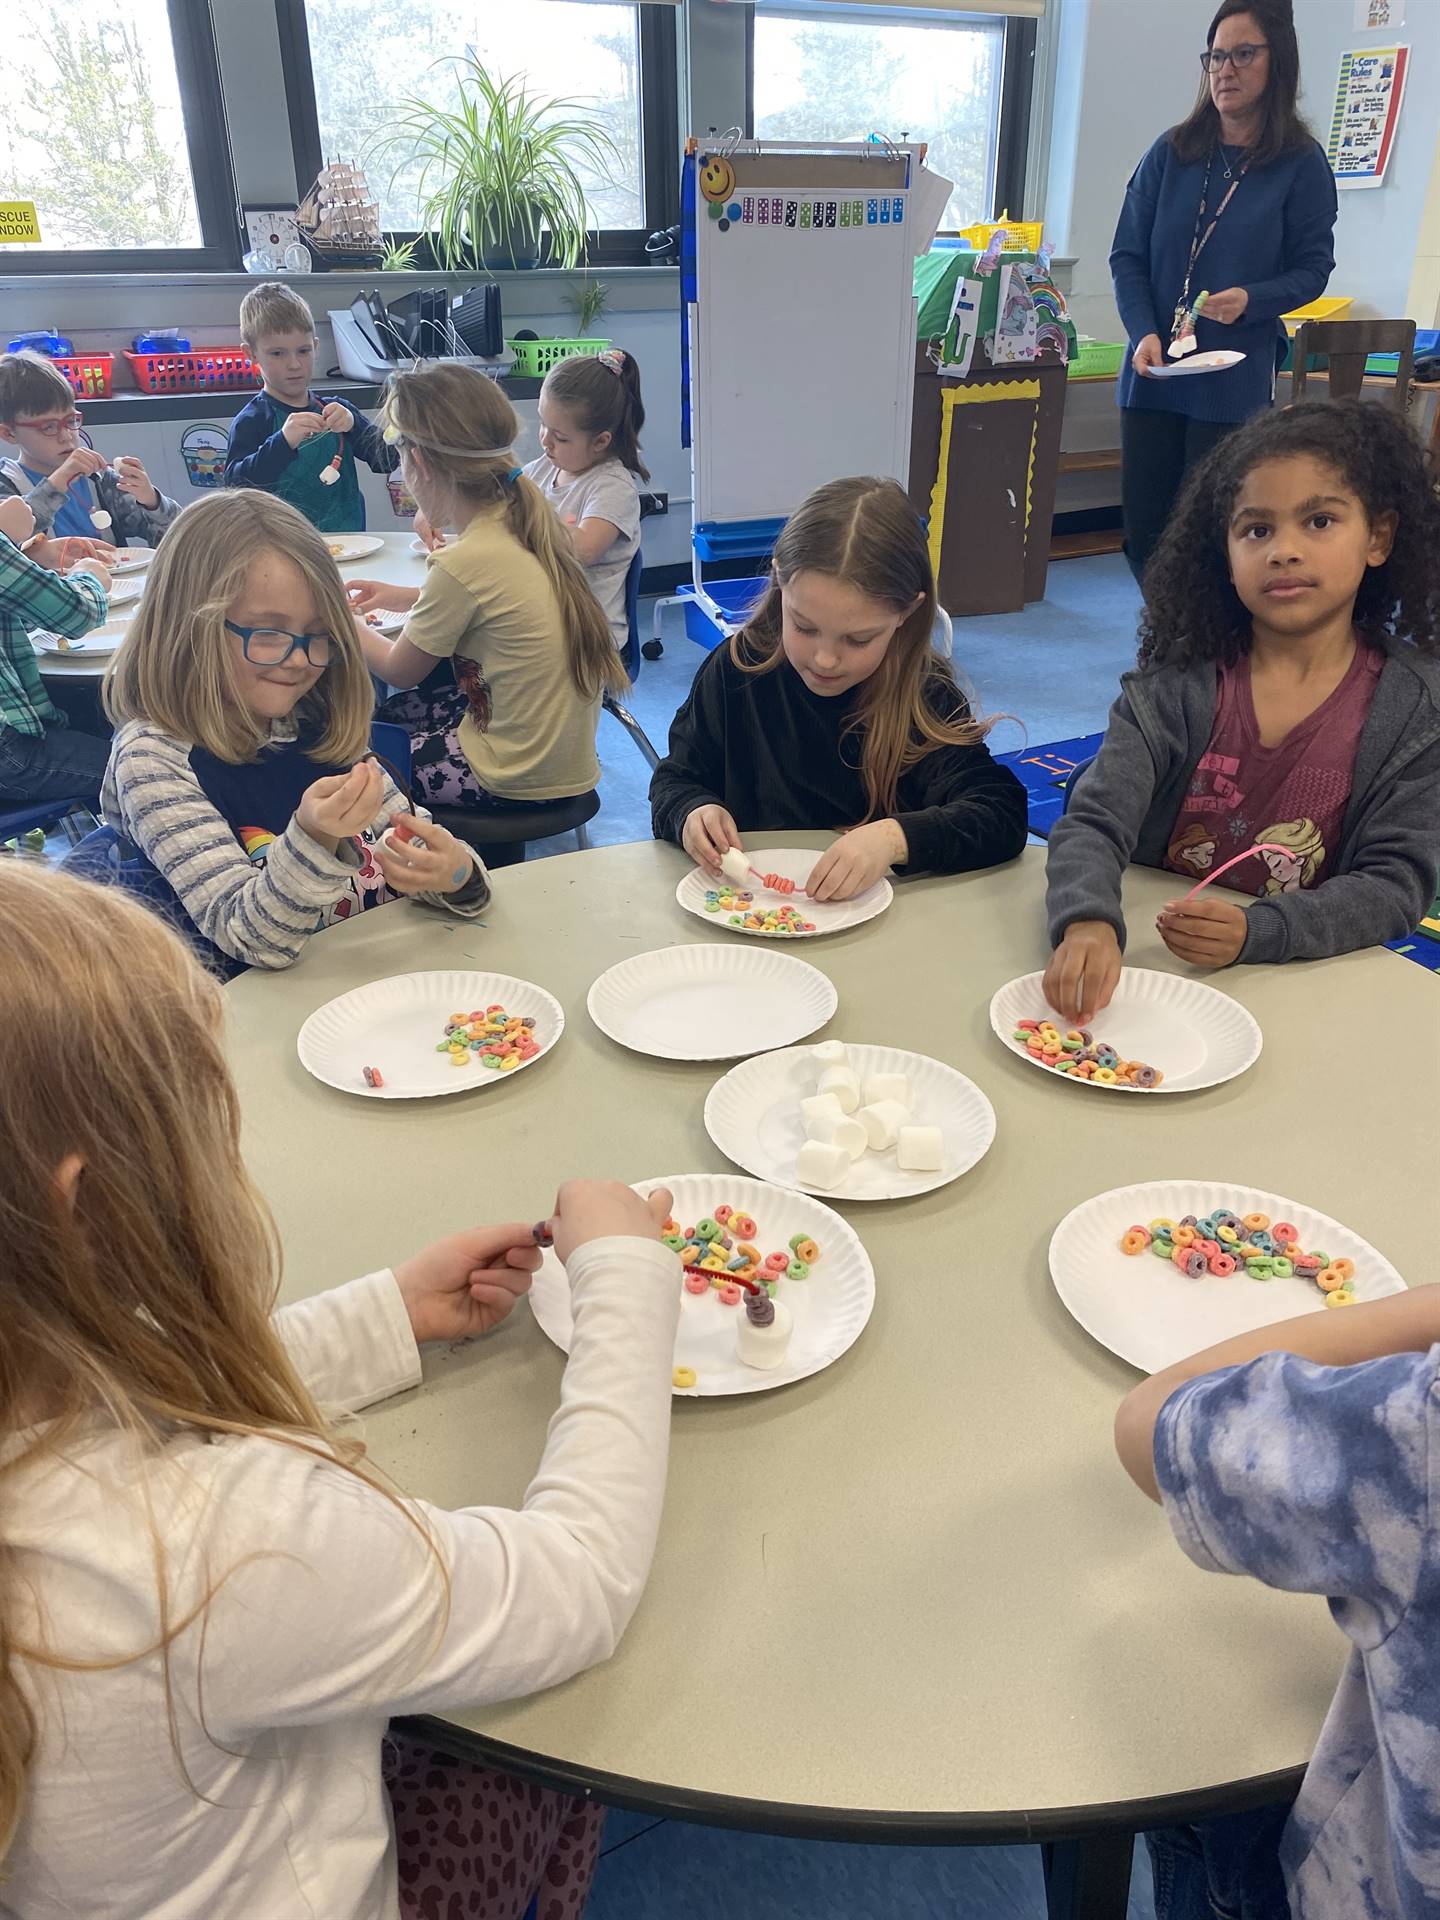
(613, 358)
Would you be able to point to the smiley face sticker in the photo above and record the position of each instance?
(717, 177)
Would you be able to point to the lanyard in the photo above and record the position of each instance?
(1200, 240)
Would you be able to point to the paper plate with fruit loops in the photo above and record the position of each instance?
(1162, 1033)
(770, 903)
(1114, 1271)
(826, 1300)
(416, 1036)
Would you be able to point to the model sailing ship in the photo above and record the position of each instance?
(339, 219)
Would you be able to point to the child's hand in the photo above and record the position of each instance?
(375, 596)
(342, 804)
(426, 534)
(134, 480)
(467, 1284)
(707, 835)
(423, 857)
(302, 426)
(80, 464)
(1084, 970)
(17, 522)
(72, 549)
(337, 419)
(596, 1209)
(857, 860)
(1148, 354)
(93, 566)
(1207, 933)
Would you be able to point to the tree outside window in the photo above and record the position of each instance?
(94, 133)
(844, 79)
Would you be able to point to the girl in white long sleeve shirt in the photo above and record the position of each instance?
(219, 1753)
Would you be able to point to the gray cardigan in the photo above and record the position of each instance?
(1125, 804)
(128, 519)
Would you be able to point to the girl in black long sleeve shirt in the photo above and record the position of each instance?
(830, 710)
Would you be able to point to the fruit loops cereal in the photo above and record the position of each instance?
(1223, 1242)
(490, 1036)
(741, 910)
(722, 1254)
(1079, 1053)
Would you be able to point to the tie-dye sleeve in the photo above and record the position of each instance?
(1313, 1479)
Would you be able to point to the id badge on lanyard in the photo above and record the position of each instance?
(1183, 323)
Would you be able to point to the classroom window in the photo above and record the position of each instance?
(366, 56)
(111, 124)
(846, 73)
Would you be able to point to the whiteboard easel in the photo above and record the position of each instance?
(802, 326)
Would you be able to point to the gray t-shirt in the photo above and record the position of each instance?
(604, 492)
(1323, 1480)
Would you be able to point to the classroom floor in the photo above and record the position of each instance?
(1053, 669)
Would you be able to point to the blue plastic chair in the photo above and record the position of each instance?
(1070, 783)
(392, 742)
(630, 660)
(42, 813)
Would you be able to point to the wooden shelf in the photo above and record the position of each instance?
(1094, 460)
(1078, 546)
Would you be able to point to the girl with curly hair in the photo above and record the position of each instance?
(1287, 671)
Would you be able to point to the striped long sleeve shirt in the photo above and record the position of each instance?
(32, 598)
(226, 839)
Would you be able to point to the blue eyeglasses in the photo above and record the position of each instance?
(273, 646)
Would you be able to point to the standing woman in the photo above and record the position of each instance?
(1238, 202)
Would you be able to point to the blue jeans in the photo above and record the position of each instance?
(58, 765)
(1226, 1869)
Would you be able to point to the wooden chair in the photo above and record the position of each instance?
(1347, 344)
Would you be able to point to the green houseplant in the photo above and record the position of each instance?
(497, 169)
(587, 302)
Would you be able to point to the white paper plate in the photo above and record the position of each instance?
(396, 1025)
(345, 547)
(132, 560)
(124, 592)
(1196, 1036)
(1145, 1309)
(1215, 362)
(99, 641)
(386, 622)
(753, 1114)
(417, 545)
(710, 1003)
(796, 863)
(830, 1308)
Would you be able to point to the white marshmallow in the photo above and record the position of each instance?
(819, 1114)
(843, 1084)
(882, 1121)
(920, 1150)
(734, 865)
(765, 1347)
(830, 1053)
(820, 1163)
(849, 1134)
(889, 1086)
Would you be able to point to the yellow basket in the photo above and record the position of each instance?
(1328, 307)
(1021, 236)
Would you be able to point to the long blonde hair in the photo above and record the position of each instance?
(866, 533)
(146, 1293)
(444, 408)
(174, 669)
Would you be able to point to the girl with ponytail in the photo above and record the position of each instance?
(507, 602)
(591, 414)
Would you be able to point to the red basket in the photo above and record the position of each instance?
(212, 369)
(88, 373)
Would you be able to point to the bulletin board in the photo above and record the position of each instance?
(802, 322)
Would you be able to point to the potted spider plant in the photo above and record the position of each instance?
(498, 170)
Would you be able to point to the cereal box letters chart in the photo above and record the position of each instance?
(1367, 111)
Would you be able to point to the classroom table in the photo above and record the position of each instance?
(913, 1598)
(395, 563)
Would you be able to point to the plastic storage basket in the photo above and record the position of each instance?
(1329, 306)
(209, 370)
(1097, 360)
(88, 373)
(535, 358)
(1021, 236)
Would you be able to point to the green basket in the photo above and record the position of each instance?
(535, 358)
(1097, 360)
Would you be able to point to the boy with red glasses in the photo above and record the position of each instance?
(70, 489)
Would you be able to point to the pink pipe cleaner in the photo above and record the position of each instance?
(1261, 846)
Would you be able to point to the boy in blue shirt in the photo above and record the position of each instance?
(1306, 1456)
(288, 440)
(70, 488)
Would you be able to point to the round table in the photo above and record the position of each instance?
(394, 562)
(913, 1598)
